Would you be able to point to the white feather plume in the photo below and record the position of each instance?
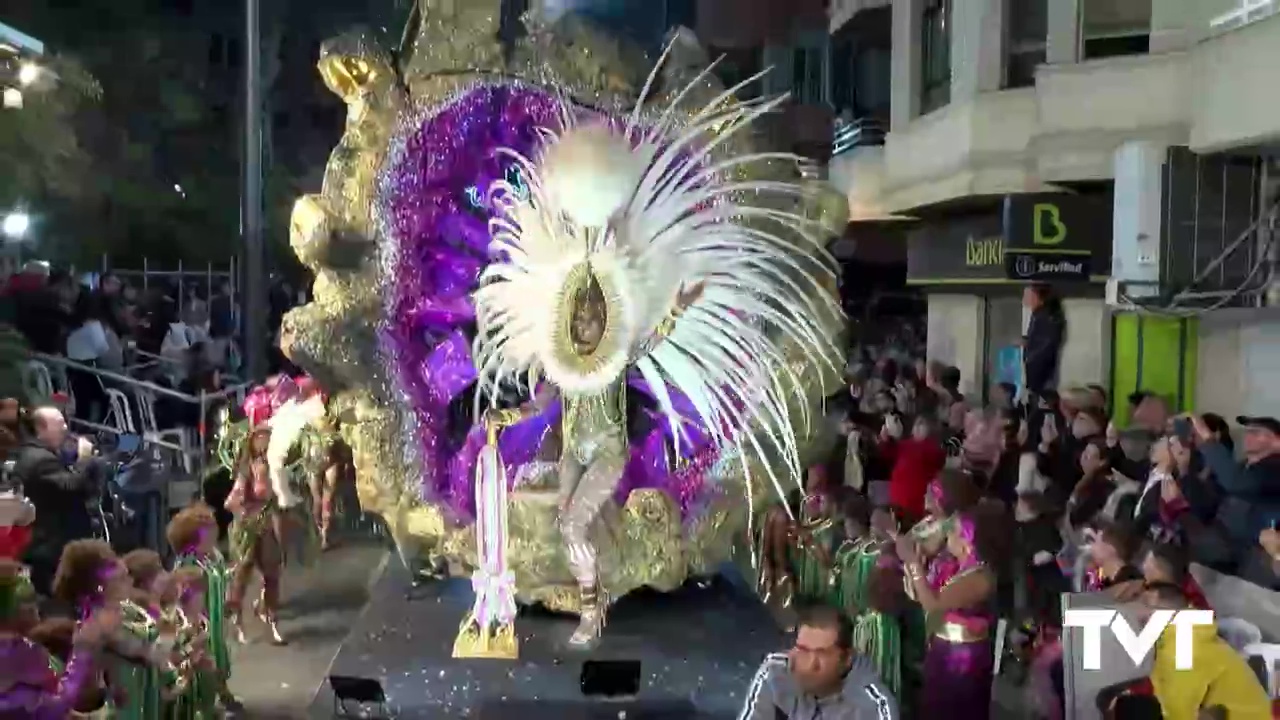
(591, 173)
(287, 424)
(654, 208)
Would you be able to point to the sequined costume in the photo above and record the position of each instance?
(197, 687)
(35, 686)
(877, 634)
(216, 577)
(958, 662)
(627, 246)
(254, 544)
(136, 684)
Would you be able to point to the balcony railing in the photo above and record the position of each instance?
(1247, 12)
(857, 133)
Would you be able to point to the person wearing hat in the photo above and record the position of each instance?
(1251, 488)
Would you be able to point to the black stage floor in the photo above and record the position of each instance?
(698, 649)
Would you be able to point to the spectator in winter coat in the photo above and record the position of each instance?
(1046, 332)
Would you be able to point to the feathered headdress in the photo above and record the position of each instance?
(643, 209)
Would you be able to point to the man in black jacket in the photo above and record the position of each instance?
(61, 489)
(1042, 345)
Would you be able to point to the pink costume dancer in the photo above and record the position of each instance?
(956, 598)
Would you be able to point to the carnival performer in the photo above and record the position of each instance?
(627, 247)
(859, 589)
(58, 637)
(957, 673)
(798, 540)
(92, 579)
(193, 537)
(199, 685)
(35, 685)
(254, 542)
(338, 468)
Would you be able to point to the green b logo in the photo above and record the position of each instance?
(1047, 225)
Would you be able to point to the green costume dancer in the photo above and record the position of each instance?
(137, 686)
(216, 577)
(811, 557)
(876, 634)
(197, 697)
(193, 535)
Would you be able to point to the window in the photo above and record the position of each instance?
(806, 79)
(935, 56)
(1027, 37)
(1114, 27)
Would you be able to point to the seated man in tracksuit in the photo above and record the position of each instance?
(821, 677)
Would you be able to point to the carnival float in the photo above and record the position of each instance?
(398, 238)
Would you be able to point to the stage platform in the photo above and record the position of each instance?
(698, 649)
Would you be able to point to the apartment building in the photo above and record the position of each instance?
(1080, 142)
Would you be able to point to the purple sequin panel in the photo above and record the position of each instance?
(434, 199)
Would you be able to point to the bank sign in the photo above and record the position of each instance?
(1062, 238)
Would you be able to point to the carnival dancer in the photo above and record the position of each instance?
(795, 543)
(254, 542)
(858, 588)
(200, 682)
(630, 245)
(957, 672)
(193, 537)
(34, 685)
(92, 579)
(338, 468)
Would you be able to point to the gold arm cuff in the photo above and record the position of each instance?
(665, 326)
(959, 633)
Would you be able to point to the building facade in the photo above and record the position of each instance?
(1142, 132)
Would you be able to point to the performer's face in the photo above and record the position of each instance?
(587, 326)
(116, 584)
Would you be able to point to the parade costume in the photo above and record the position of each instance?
(137, 686)
(253, 540)
(958, 662)
(193, 536)
(197, 688)
(626, 247)
(34, 685)
(216, 577)
(877, 634)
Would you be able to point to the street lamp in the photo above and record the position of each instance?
(16, 225)
(28, 74)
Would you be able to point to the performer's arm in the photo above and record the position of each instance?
(235, 499)
(543, 396)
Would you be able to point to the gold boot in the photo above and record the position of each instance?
(592, 617)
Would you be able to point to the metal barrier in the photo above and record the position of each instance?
(185, 277)
(196, 457)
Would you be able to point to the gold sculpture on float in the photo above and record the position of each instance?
(337, 234)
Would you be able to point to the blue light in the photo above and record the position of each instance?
(475, 198)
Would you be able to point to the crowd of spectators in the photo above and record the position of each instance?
(1059, 492)
(150, 334)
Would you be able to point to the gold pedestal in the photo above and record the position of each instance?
(474, 641)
